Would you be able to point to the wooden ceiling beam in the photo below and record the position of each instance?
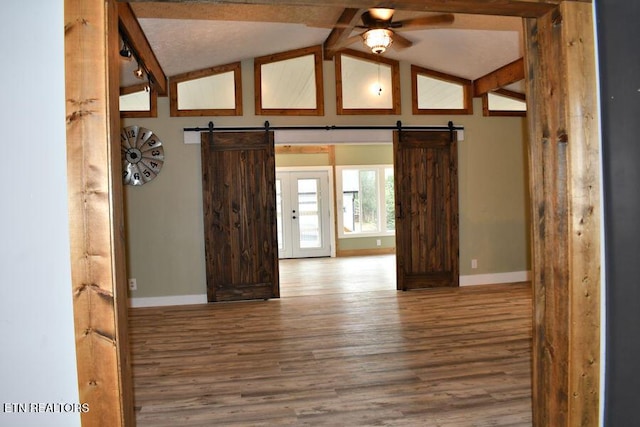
(503, 76)
(341, 32)
(130, 28)
(524, 8)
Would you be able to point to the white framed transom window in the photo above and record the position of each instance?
(366, 205)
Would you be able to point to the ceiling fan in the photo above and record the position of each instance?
(381, 31)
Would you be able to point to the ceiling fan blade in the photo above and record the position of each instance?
(380, 13)
(423, 22)
(349, 41)
(400, 42)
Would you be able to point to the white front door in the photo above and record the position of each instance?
(303, 206)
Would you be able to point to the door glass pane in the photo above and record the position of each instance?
(309, 213)
(279, 214)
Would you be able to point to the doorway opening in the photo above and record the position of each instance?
(579, 88)
(329, 248)
(303, 206)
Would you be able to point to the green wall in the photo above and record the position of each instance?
(164, 217)
(297, 160)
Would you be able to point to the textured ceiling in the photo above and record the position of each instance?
(188, 37)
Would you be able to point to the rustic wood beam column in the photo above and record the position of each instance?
(340, 33)
(524, 8)
(138, 42)
(564, 168)
(503, 76)
(96, 212)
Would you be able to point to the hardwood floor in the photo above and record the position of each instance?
(339, 356)
(324, 276)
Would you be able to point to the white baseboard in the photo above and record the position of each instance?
(495, 278)
(169, 300)
(471, 280)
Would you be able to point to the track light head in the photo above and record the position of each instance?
(125, 52)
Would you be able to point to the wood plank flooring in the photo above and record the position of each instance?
(324, 276)
(351, 357)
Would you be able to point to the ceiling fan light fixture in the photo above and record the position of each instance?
(378, 40)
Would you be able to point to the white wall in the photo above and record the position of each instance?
(37, 360)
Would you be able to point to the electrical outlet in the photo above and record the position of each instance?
(474, 263)
(133, 285)
(378, 242)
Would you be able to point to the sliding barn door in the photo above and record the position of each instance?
(241, 246)
(426, 186)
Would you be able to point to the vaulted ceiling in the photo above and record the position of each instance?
(196, 35)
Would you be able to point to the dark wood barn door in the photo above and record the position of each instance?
(238, 183)
(426, 191)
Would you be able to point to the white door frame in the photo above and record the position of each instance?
(331, 201)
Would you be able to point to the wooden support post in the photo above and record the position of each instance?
(564, 163)
(138, 42)
(96, 212)
(341, 32)
(503, 76)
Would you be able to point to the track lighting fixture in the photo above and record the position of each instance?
(139, 72)
(125, 52)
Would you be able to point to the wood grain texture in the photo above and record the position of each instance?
(96, 213)
(303, 149)
(584, 220)
(328, 276)
(241, 248)
(84, 106)
(503, 76)
(354, 356)
(547, 161)
(524, 8)
(137, 40)
(426, 197)
(341, 31)
(564, 156)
